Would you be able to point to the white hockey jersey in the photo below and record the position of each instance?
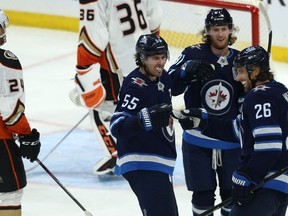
(12, 118)
(109, 30)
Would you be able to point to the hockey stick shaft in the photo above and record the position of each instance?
(53, 149)
(63, 187)
(269, 26)
(229, 200)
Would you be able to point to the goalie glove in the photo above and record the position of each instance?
(193, 70)
(89, 91)
(30, 145)
(192, 118)
(155, 117)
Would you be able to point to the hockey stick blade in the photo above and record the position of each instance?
(53, 149)
(229, 200)
(87, 213)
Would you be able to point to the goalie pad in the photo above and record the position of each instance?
(88, 84)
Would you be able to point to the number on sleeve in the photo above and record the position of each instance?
(263, 110)
(88, 15)
(130, 103)
(15, 85)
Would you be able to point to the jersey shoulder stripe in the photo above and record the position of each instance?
(9, 59)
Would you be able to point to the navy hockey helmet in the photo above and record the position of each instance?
(151, 44)
(218, 17)
(253, 56)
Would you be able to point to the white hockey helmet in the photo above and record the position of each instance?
(4, 23)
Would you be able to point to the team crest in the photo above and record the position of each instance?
(217, 97)
(168, 131)
(138, 81)
(260, 88)
(9, 55)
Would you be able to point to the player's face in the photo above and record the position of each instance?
(219, 36)
(155, 65)
(2, 36)
(243, 76)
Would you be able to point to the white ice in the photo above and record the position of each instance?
(48, 58)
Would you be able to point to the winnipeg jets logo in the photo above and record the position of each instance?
(217, 96)
(138, 81)
(222, 61)
(260, 88)
(168, 131)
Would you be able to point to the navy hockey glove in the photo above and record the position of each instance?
(155, 117)
(30, 145)
(192, 118)
(193, 70)
(242, 188)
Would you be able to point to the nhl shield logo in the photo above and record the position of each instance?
(217, 97)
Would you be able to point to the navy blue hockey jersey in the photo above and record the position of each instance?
(221, 96)
(139, 149)
(263, 132)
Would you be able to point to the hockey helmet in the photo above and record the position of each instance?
(151, 44)
(218, 17)
(4, 21)
(253, 56)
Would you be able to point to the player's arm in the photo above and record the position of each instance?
(264, 128)
(12, 107)
(131, 118)
(154, 13)
(214, 127)
(93, 39)
(12, 96)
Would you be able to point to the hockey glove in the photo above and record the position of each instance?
(30, 145)
(242, 188)
(192, 118)
(193, 70)
(155, 117)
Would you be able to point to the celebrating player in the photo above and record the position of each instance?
(143, 126)
(13, 124)
(108, 33)
(209, 161)
(262, 131)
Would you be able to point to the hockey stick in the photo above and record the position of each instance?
(87, 213)
(229, 200)
(53, 149)
(264, 12)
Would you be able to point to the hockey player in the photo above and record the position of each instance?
(143, 126)
(108, 33)
(13, 123)
(262, 132)
(208, 161)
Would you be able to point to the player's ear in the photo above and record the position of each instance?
(256, 71)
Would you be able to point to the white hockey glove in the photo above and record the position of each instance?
(91, 92)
